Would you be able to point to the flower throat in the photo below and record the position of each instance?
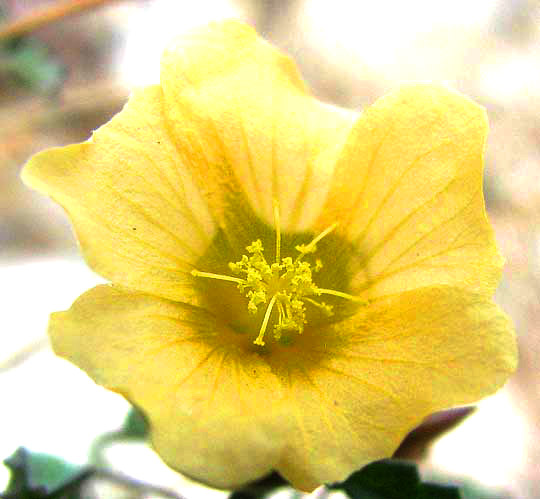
(285, 286)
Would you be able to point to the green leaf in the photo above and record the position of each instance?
(468, 488)
(435, 491)
(34, 475)
(393, 479)
(260, 488)
(135, 425)
(386, 479)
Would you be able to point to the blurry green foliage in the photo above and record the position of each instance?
(135, 425)
(260, 488)
(393, 479)
(386, 479)
(39, 476)
(42, 476)
(29, 63)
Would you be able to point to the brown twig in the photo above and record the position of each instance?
(22, 355)
(47, 15)
(24, 122)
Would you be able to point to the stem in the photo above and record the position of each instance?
(47, 15)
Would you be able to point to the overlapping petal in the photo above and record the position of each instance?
(248, 129)
(356, 389)
(138, 216)
(408, 191)
(335, 400)
(215, 409)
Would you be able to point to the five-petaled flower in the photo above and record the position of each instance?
(294, 286)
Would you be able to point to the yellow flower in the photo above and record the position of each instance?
(295, 286)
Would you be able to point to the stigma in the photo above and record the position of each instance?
(284, 286)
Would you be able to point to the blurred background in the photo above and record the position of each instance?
(67, 66)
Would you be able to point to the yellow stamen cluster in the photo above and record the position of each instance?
(283, 285)
(286, 284)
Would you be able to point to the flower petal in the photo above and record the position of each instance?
(248, 128)
(206, 398)
(359, 387)
(139, 219)
(408, 190)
